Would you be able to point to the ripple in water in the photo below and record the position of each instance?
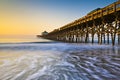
(59, 61)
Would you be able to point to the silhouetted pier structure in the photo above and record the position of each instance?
(102, 23)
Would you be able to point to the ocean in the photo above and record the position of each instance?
(41, 59)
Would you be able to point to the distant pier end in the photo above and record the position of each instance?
(43, 34)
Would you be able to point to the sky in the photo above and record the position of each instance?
(31, 17)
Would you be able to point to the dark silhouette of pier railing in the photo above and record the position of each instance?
(102, 23)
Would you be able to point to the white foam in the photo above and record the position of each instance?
(6, 62)
(65, 64)
(19, 75)
(37, 74)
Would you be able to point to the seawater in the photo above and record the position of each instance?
(58, 61)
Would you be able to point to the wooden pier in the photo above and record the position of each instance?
(101, 23)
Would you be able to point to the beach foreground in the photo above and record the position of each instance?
(59, 61)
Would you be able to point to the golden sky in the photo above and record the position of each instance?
(28, 20)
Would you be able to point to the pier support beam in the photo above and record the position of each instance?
(118, 32)
(107, 38)
(115, 28)
(86, 34)
(93, 30)
(118, 38)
